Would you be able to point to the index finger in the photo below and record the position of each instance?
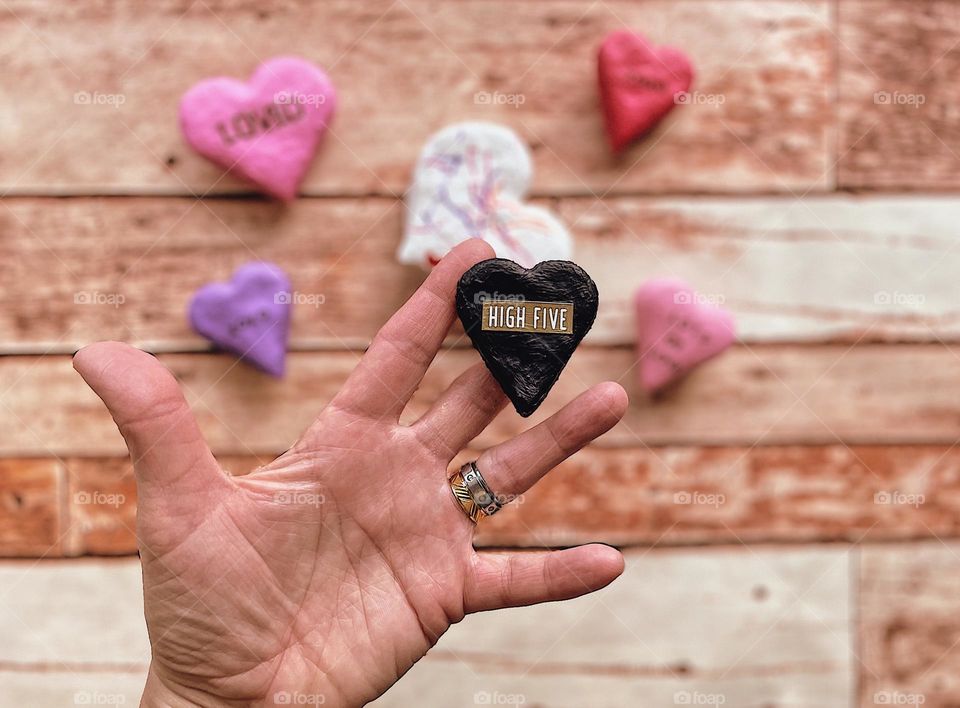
(400, 354)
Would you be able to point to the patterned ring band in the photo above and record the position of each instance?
(472, 493)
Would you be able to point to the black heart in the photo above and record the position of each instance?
(526, 364)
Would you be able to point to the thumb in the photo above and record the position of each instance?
(170, 456)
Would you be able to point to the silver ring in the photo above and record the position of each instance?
(473, 494)
(481, 493)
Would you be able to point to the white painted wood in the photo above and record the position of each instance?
(791, 269)
(908, 623)
(438, 685)
(56, 689)
(111, 78)
(746, 626)
(68, 612)
(811, 270)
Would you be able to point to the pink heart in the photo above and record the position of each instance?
(248, 316)
(266, 130)
(639, 84)
(677, 331)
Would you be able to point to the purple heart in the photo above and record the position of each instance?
(249, 315)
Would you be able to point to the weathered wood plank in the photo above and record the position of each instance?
(662, 496)
(46, 688)
(63, 613)
(31, 505)
(821, 268)
(738, 495)
(778, 624)
(909, 628)
(742, 627)
(102, 507)
(763, 68)
(126, 269)
(773, 395)
(103, 503)
(883, 268)
(898, 60)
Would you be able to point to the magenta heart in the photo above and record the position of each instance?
(249, 316)
(639, 84)
(678, 329)
(266, 130)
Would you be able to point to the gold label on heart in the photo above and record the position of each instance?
(527, 316)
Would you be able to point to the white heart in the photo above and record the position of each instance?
(470, 181)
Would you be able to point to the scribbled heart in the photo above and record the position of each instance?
(266, 130)
(248, 316)
(526, 323)
(678, 330)
(639, 85)
(469, 182)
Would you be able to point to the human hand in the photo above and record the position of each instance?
(330, 571)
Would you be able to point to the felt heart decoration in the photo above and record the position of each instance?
(639, 84)
(526, 323)
(469, 182)
(248, 316)
(677, 332)
(266, 130)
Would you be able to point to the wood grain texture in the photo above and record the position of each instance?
(816, 269)
(65, 613)
(102, 504)
(115, 73)
(897, 96)
(50, 688)
(667, 496)
(750, 627)
(883, 267)
(31, 507)
(102, 507)
(909, 628)
(153, 254)
(653, 496)
(777, 622)
(771, 395)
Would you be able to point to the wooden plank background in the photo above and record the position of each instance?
(790, 513)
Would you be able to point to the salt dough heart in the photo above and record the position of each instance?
(638, 84)
(469, 182)
(249, 315)
(526, 354)
(676, 332)
(266, 130)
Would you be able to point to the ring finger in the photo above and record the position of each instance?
(512, 467)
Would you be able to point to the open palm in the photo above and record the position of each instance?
(325, 575)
